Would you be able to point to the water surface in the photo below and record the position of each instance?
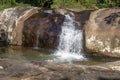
(22, 53)
(31, 54)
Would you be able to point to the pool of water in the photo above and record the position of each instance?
(22, 53)
(31, 54)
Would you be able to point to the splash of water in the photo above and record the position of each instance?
(70, 44)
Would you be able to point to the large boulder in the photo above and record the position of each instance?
(12, 20)
(102, 32)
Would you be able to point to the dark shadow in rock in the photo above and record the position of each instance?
(3, 38)
(111, 18)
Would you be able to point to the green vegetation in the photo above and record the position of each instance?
(108, 3)
(86, 4)
(12, 3)
(6, 3)
(82, 4)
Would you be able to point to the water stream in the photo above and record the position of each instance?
(71, 41)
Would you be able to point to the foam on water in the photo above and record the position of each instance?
(67, 57)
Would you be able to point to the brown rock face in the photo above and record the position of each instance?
(102, 32)
(42, 29)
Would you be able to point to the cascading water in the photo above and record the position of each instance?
(70, 44)
(37, 40)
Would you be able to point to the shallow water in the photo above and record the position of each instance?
(22, 53)
(31, 54)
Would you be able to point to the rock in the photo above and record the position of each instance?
(82, 17)
(25, 70)
(31, 26)
(61, 11)
(12, 19)
(102, 33)
(42, 29)
(1, 67)
(27, 79)
(74, 9)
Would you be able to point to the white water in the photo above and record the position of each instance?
(70, 43)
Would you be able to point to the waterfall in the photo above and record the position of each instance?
(37, 40)
(70, 42)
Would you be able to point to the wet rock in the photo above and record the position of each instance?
(81, 18)
(102, 33)
(42, 29)
(25, 70)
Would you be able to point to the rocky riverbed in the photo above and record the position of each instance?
(25, 70)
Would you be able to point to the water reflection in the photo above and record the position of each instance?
(21, 53)
(31, 54)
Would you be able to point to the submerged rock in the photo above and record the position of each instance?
(25, 70)
(102, 32)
